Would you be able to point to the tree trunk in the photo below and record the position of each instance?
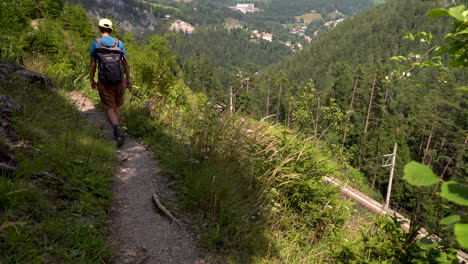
(268, 101)
(428, 142)
(386, 95)
(317, 117)
(420, 145)
(279, 100)
(231, 100)
(373, 181)
(447, 165)
(370, 104)
(349, 113)
(248, 86)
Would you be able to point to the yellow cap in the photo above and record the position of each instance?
(105, 23)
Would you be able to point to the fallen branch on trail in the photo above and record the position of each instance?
(164, 210)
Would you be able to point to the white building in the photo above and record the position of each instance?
(267, 37)
(246, 8)
(180, 25)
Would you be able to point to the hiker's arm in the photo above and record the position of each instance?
(127, 71)
(92, 71)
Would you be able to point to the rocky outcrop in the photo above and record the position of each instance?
(14, 77)
(14, 72)
(182, 27)
(8, 137)
(127, 15)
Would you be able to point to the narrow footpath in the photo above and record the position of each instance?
(138, 231)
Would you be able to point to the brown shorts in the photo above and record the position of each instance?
(111, 95)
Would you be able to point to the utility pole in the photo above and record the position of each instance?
(392, 169)
(231, 103)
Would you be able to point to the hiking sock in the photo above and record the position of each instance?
(116, 130)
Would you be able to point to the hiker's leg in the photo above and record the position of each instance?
(119, 100)
(112, 116)
(107, 95)
(118, 113)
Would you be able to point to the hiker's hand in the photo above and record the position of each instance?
(127, 83)
(93, 84)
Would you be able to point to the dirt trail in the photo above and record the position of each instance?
(138, 232)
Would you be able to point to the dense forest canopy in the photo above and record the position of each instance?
(345, 88)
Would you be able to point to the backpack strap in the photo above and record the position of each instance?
(116, 43)
(99, 42)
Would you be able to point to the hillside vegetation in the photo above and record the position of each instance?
(346, 89)
(54, 205)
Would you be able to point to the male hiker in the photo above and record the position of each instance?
(111, 56)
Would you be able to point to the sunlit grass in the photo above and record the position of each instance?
(54, 208)
(254, 187)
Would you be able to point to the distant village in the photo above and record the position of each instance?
(257, 35)
(299, 29)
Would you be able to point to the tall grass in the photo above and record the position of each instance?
(54, 209)
(254, 187)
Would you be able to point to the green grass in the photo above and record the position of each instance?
(256, 195)
(162, 7)
(55, 208)
(253, 189)
(309, 18)
(231, 21)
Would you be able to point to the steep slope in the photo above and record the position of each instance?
(358, 98)
(55, 175)
(130, 15)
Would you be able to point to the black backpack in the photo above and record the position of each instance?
(111, 69)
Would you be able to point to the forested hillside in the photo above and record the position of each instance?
(345, 88)
(214, 59)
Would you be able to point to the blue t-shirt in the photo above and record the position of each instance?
(107, 41)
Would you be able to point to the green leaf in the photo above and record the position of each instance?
(442, 258)
(461, 234)
(463, 88)
(457, 12)
(465, 31)
(409, 36)
(418, 174)
(399, 58)
(435, 13)
(450, 220)
(455, 192)
(426, 243)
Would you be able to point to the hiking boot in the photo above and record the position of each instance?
(120, 138)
